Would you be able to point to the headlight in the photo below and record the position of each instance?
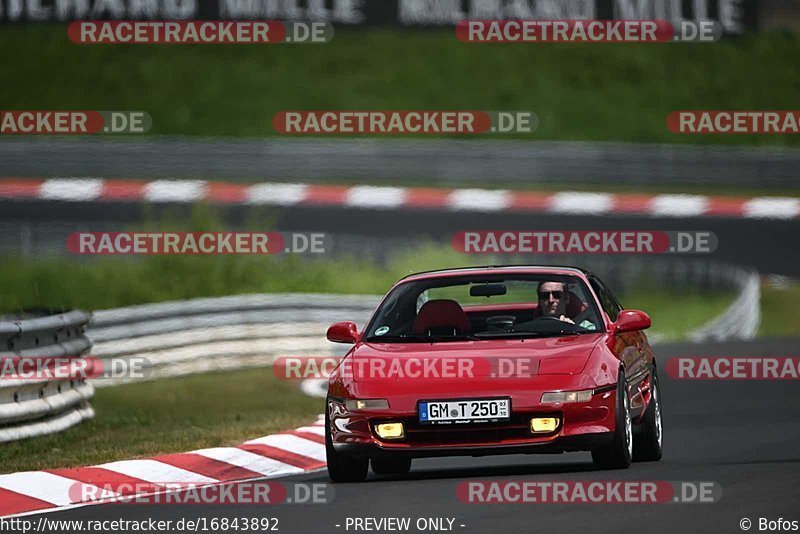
(366, 404)
(390, 430)
(554, 397)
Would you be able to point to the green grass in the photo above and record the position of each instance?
(171, 415)
(673, 317)
(779, 316)
(114, 283)
(580, 91)
(98, 283)
(107, 282)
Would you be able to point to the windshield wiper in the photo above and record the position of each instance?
(487, 335)
(420, 338)
(459, 337)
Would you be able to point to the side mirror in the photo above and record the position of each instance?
(346, 332)
(631, 321)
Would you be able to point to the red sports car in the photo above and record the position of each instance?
(493, 360)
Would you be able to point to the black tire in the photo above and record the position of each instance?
(342, 467)
(648, 446)
(391, 465)
(618, 453)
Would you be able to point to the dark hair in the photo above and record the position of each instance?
(564, 286)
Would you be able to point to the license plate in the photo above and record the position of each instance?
(464, 411)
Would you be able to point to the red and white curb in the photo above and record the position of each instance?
(374, 197)
(287, 453)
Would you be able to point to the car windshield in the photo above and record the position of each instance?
(499, 306)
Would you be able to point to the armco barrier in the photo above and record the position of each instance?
(436, 162)
(742, 318)
(32, 407)
(185, 337)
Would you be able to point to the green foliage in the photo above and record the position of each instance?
(580, 91)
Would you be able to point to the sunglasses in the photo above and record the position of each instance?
(545, 295)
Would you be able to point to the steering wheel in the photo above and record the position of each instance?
(500, 322)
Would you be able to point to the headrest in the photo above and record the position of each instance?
(575, 306)
(441, 313)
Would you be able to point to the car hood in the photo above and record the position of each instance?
(505, 358)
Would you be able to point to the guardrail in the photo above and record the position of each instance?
(742, 318)
(391, 161)
(185, 337)
(32, 407)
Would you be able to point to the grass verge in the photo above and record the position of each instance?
(674, 317)
(171, 415)
(779, 316)
(580, 91)
(100, 282)
(115, 282)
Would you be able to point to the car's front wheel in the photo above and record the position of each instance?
(342, 467)
(391, 465)
(648, 446)
(618, 453)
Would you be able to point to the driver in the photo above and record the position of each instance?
(553, 300)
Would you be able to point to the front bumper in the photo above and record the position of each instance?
(583, 427)
(583, 442)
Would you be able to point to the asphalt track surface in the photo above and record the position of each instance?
(743, 435)
(767, 245)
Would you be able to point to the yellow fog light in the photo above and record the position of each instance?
(542, 425)
(390, 430)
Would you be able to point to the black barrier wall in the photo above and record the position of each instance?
(735, 16)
